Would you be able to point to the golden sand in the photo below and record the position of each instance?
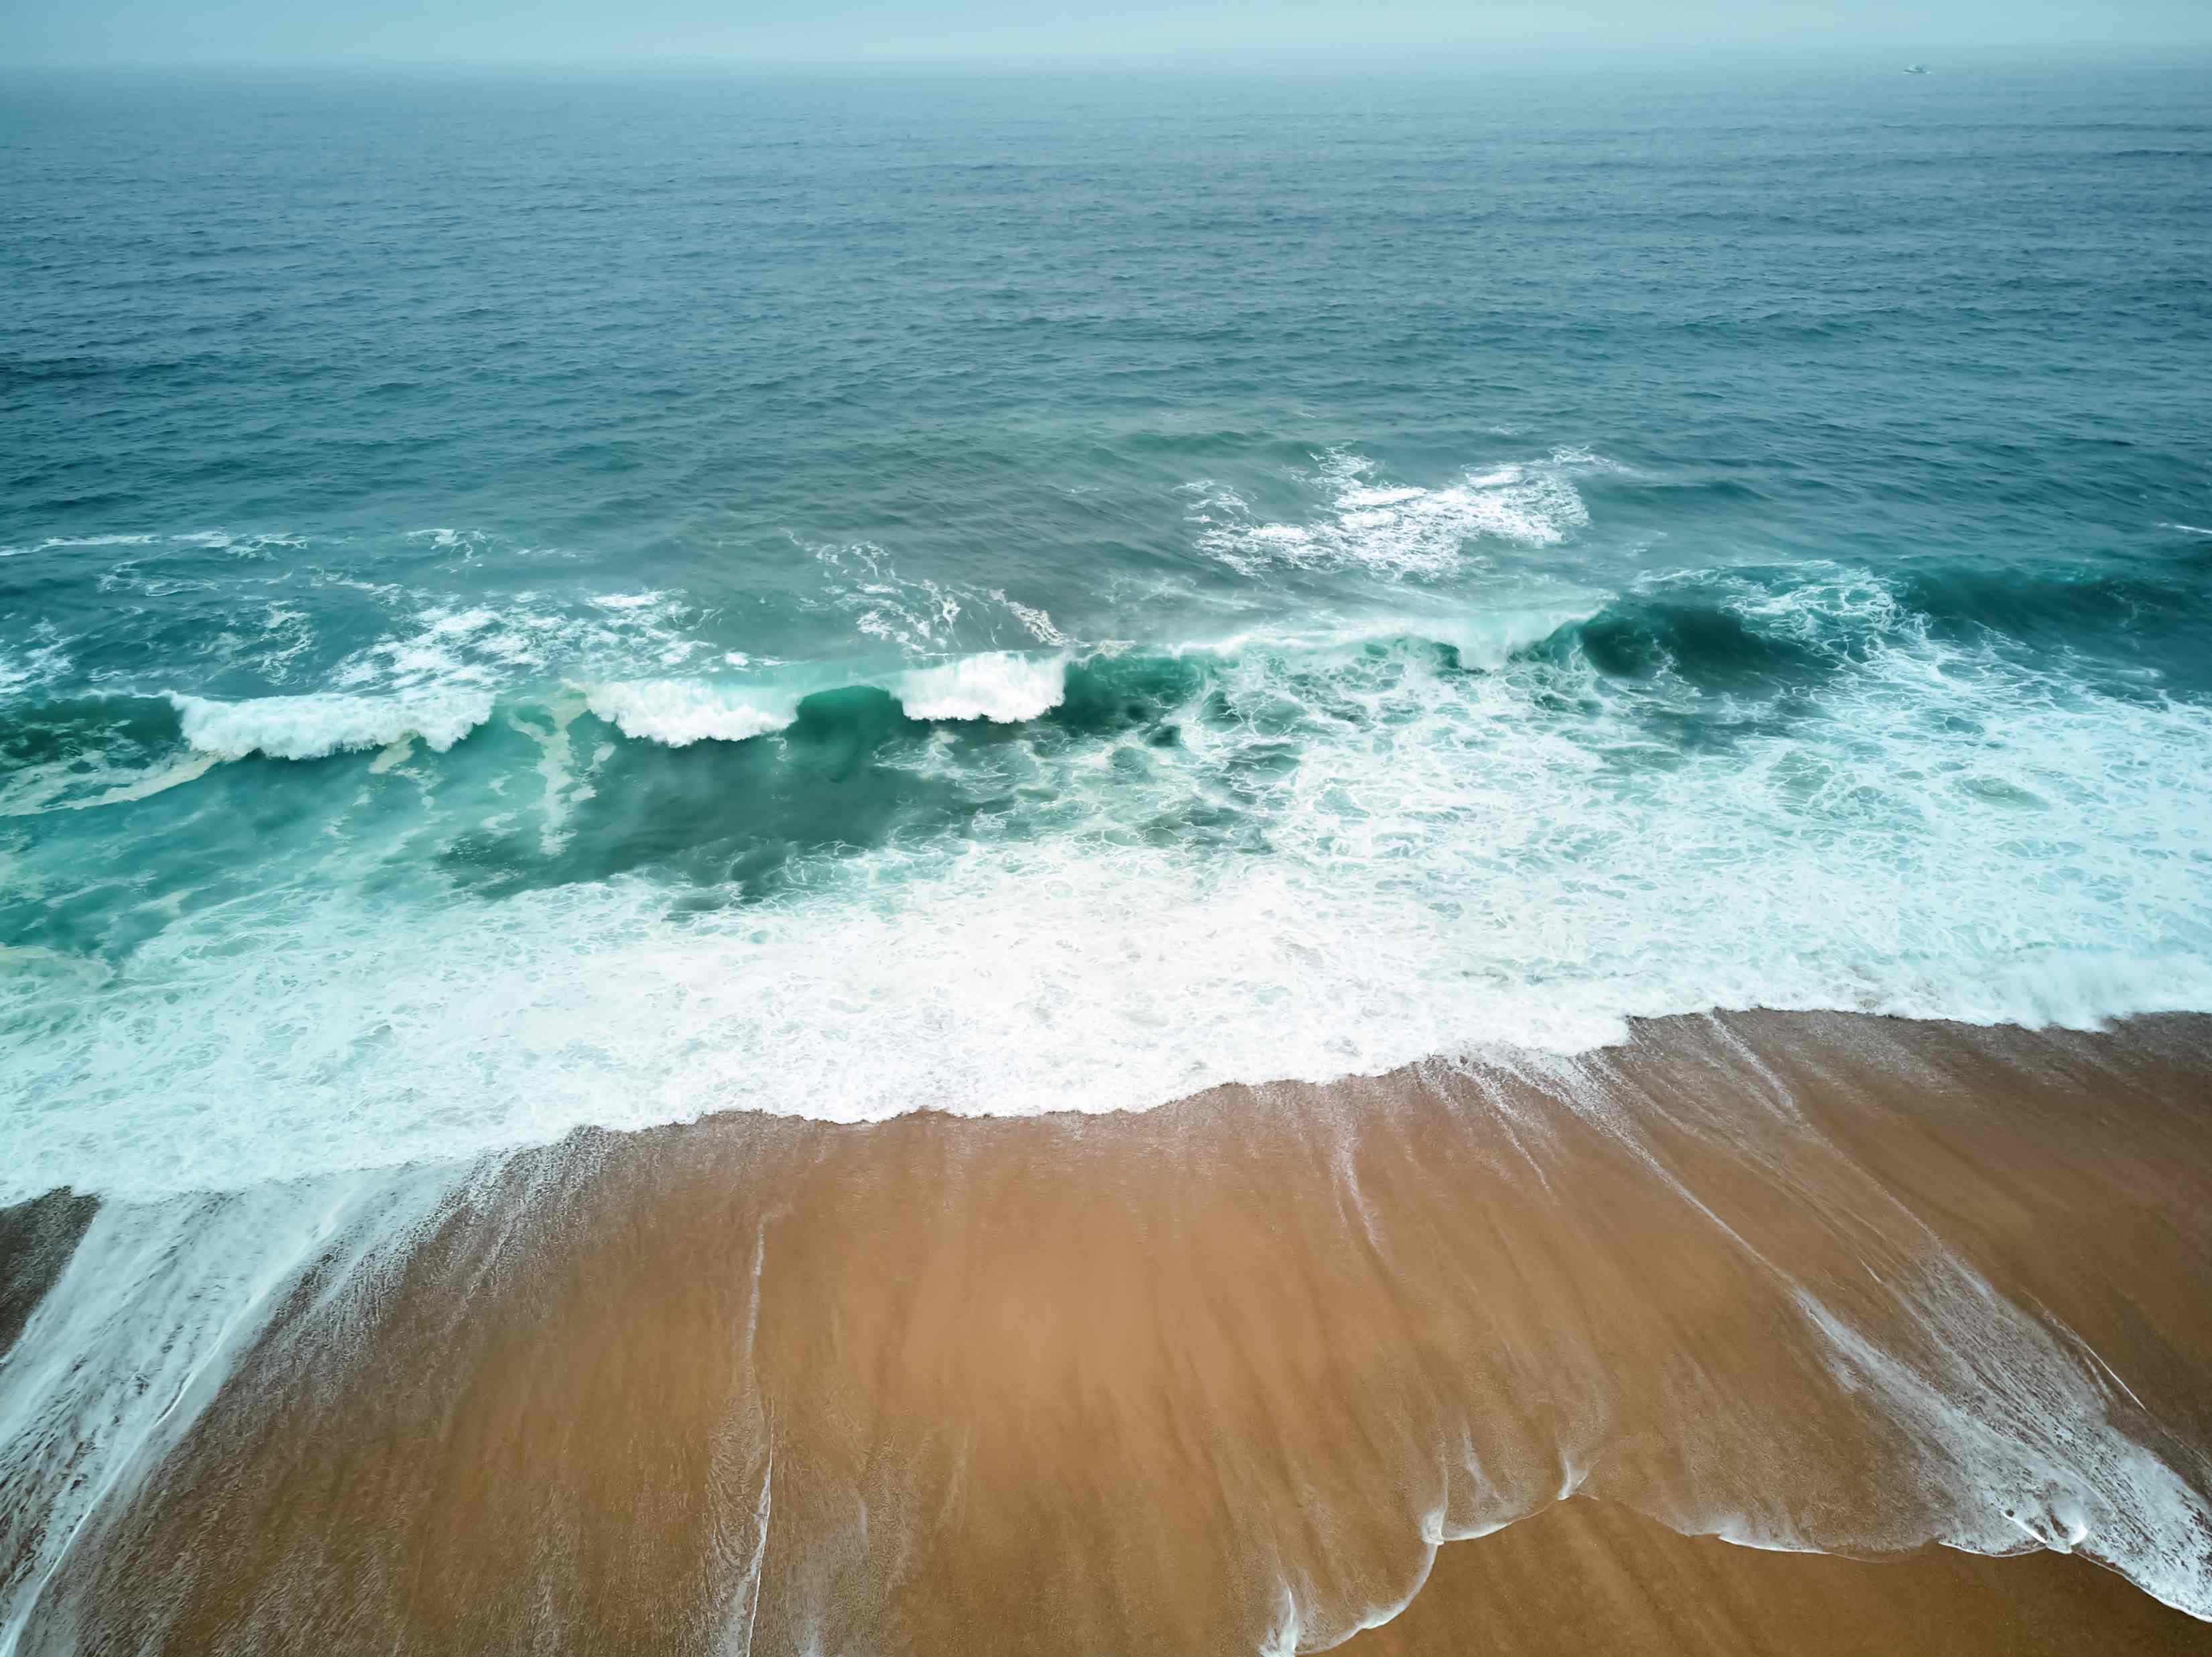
(1222, 1376)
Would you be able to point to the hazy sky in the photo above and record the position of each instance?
(574, 31)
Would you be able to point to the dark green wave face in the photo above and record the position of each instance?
(530, 604)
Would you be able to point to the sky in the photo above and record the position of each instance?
(612, 32)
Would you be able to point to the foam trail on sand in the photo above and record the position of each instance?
(2014, 1443)
(141, 1331)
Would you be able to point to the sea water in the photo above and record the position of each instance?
(528, 603)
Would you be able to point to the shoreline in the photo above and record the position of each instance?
(1209, 1375)
(1580, 1576)
(1480, 1056)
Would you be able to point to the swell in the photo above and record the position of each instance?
(1223, 1377)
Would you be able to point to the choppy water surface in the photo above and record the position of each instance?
(527, 603)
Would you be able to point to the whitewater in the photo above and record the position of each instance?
(724, 609)
(490, 901)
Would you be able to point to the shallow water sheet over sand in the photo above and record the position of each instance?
(1875, 1300)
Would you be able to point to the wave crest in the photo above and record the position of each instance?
(1000, 686)
(317, 725)
(677, 713)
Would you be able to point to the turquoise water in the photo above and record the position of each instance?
(533, 603)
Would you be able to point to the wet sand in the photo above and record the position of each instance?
(1582, 1576)
(1222, 1376)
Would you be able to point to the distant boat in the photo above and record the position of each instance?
(1916, 69)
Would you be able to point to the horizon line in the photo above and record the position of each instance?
(1457, 53)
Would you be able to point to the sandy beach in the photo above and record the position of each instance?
(1532, 1355)
(1584, 1576)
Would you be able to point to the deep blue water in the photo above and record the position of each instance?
(529, 602)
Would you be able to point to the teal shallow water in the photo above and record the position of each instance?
(530, 603)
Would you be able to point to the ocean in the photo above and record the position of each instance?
(532, 603)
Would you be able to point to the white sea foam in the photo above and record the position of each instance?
(313, 727)
(1000, 686)
(225, 541)
(924, 616)
(680, 712)
(913, 615)
(1398, 531)
(1038, 622)
(1486, 638)
(42, 662)
(58, 543)
(468, 543)
(1424, 861)
(446, 644)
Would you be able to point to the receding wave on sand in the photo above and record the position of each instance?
(1240, 1374)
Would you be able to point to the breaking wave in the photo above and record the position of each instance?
(1093, 881)
(678, 713)
(1000, 687)
(313, 727)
